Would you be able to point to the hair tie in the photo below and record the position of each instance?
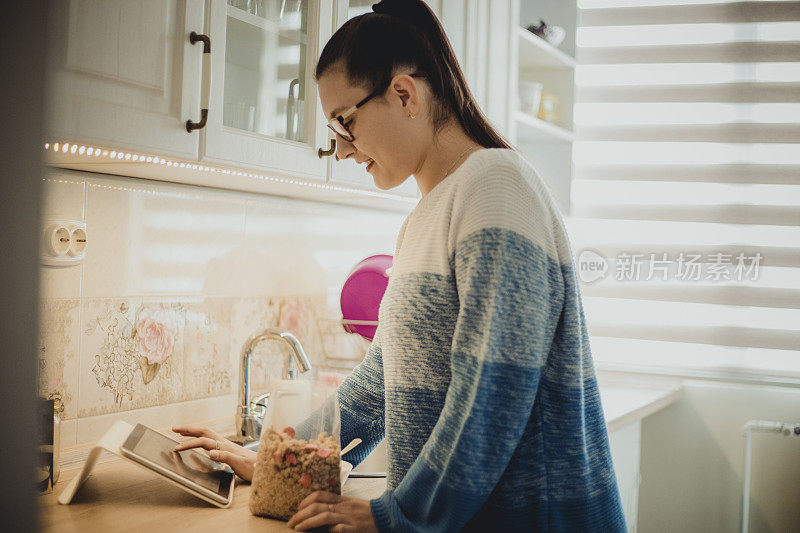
(380, 7)
(404, 9)
(377, 8)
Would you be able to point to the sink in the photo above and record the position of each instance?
(237, 440)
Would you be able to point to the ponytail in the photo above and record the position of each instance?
(406, 34)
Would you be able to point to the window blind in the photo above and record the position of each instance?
(686, 175)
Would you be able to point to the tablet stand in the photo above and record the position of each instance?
(112, 441)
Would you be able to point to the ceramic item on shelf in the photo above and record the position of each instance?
(292, 7)
(362, 294)
(239, 115)
(552, 34)
(244, 5)
(548, 109)
(530, 96)
(555, 35)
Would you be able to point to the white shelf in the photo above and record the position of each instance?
(536, 53)
(530, 128)
(293, 34)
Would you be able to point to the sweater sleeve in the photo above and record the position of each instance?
(509, 302)
(361, 403)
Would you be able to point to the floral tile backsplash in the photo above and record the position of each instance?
(117, 354)
(137, 353)
(59, 346)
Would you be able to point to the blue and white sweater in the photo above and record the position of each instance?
(480, 374)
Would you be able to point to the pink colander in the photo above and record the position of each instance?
(362, 294)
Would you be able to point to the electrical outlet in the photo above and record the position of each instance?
(77, 241)
(63, 242)
(56, 240)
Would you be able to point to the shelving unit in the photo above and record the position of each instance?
(535, 52)
(548, 145)
(293, 34)
(532, 129)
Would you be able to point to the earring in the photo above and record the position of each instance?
(412, 116)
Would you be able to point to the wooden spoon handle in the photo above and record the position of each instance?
(353, 444)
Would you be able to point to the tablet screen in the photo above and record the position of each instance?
(189, 464)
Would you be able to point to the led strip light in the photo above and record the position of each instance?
(133, 157)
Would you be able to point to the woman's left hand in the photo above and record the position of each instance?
(342, 515)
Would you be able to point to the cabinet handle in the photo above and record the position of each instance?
(292, 122)
(324, 153)
(205, 94)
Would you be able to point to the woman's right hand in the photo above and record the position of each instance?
(241, 460)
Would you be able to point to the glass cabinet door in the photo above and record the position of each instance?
(265, 67)
(265, 110)
(358, 7)
(347, 171)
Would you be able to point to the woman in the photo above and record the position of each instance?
(480, 374)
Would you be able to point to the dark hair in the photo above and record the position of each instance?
(406, 34)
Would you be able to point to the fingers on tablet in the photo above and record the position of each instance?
(197, 442)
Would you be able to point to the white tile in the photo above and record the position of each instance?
(161, 417)
(59, 354)
(153, 238)
(60, 282)
(139, 353)
(63, 195)
(109, 361)
(208, 367)
(308, 248)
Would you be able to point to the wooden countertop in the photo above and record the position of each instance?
(121, 496)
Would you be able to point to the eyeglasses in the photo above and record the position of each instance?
(340, 125)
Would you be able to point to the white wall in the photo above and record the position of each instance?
(692, 461)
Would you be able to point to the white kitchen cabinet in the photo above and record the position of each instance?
(124, 74)
(626, 445)
(125, 79)
(264, 112)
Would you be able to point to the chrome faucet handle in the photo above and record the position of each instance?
(259, 407)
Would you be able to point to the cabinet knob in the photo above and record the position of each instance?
(330, 151)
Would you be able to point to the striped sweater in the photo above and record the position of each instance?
(480, 374)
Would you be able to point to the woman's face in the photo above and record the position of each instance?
(387, 141)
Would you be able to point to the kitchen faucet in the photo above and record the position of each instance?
(250, 417)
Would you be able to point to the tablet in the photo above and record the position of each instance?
(189, 468)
